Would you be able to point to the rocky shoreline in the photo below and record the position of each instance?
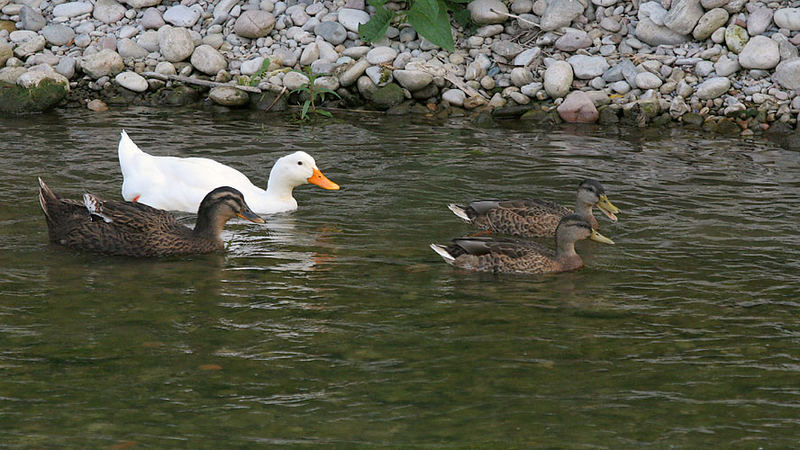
(726, 65)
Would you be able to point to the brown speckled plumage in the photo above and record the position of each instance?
(533, 217)
(506, 255)
(134, 229)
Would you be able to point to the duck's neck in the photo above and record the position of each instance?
(584, 210)
(209, 226)
(567, 256)
(279, 187)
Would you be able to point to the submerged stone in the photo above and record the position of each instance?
(15, 99)
(387, 96)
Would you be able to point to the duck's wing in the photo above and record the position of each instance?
(524, 217)
(509, 247)
(129, 217)
(173, 183)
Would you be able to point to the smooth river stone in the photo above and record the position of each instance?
(558, 79)
(578, 107)
(72, 9)
(787, 74)
(709, 23)
(788, 18)
(760, 52)
(683, 16)
(713, 88)
(131, 81)
(482, 14)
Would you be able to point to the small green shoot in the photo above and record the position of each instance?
(314, 95)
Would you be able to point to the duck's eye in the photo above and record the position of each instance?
(299, 163)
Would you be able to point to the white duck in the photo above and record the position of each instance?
(179, 184)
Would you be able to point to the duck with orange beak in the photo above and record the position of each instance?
(179, 184)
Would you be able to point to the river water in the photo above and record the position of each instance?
(337, 325)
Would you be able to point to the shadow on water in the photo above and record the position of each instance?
(336, 324)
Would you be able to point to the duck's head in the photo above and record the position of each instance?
(299, 168)
(221, 205)
(574, 228)
(591, 192)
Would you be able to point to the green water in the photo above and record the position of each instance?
(336, 324)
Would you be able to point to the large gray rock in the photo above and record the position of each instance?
(573, 40)
(103, 63)
(208, 60)
(72, 9)
(127, 48)
(760, 52)
(578, 107)
(653, 11)
(37, 74)
(284, 57)
(182, 16)
(108, 11)
(647, 80)
(759, 20)
(66, 66)
(29, 46)
(560, 13)
(175, 44)
(727, 65)
(482, 14)
(381, 54)
(31, 19)
(683, 16)
(152, 20)
(558, 79)
(254, 24)
(132, 81)
(713, 88)
(58, 34)
(228, 96)
(788, 18)
(587, 67)
(787, 74)
(294, 80)
(413, 80)
(352, 18)
(454, 97)
(352, 73)
(650, 33)
(222, 9)
(332, 32)
(148, 40)
(709, 23)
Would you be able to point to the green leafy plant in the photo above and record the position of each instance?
(254, 79)
(430, 18)
(314, 95)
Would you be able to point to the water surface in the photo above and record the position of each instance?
(336, 324)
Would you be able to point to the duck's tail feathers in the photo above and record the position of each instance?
(46, 196)
(459, 211)
(95, 207)
(127, 149)
(441, 250)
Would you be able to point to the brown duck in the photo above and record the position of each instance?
(134, 229)
(505, 255)
(534, 217)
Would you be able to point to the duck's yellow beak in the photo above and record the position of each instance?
(322, 181)
(248, 214)
(608, 209)
(600, 238)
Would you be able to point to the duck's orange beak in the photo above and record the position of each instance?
(322, 181)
